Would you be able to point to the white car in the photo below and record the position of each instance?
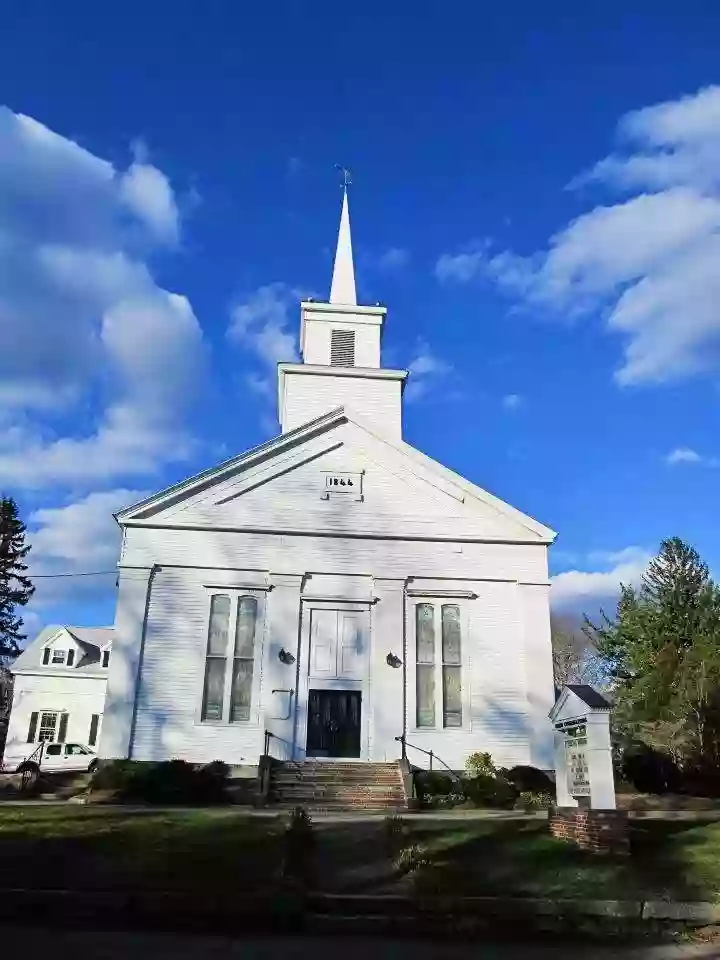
(53, 758)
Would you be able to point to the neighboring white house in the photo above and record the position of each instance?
(59, 691)
(333, 587)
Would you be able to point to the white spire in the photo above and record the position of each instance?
(342, 289)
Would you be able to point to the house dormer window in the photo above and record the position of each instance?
(342, 348)
(57, 657)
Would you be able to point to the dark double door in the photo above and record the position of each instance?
(334, 723)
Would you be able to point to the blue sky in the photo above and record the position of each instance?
(536, 198)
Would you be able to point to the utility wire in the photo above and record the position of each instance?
(91, 573)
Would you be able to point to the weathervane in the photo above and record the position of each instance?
(346, 175)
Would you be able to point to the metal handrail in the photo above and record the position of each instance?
(428, 753)
(272, 736)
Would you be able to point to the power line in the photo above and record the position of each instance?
(91, 573)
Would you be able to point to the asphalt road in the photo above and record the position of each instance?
(39, 943)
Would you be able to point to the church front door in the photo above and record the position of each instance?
(334, 723)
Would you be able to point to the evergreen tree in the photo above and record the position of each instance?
(15, 587)
(662, 653)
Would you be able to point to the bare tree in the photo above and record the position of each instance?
(575, 657)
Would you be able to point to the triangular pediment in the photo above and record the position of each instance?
(336, 476)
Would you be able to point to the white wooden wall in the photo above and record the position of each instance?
(507, 663)
(309, 395)
(79, 697)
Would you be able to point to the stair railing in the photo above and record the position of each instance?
(428, 753)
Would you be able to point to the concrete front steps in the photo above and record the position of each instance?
(338, 785)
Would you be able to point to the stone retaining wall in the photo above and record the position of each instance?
(600, 831)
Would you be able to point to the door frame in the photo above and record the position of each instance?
(306, 682)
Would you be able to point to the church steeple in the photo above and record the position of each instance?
(342, 289)
(340, 346)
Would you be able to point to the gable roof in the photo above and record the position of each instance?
(415, 462)
(578, 699)
(91, 640)
(590, 696)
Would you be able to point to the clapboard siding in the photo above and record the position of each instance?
(79, 697)
(498, 716)
(377, 400)
(494, 679)
(171, 681)
(219, 549)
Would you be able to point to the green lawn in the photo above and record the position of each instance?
(669, 860)
(107, 848)
(221, 850)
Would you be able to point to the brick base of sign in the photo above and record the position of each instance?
(599, 831)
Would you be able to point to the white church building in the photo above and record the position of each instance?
(334, 588)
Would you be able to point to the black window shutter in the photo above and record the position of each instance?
(33, 728)
(70, 657)
(94, 720)
(62, 732)
(106, 658)
(46, 655)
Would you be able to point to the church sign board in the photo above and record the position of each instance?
(583, 756)
(576, 759)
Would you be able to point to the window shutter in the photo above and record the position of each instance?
(46, 655)
(342, 348)
(70, 657)
(94, 721)
(33, 727)
(62, 732)
(106, 658)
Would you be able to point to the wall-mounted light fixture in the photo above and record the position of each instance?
(285, 656)
(393, 661)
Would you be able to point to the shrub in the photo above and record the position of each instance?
(528, 800)
(480, 765)
(429, 783)
(491, 791)
(649, 770)
(530, 780)
(168, 782)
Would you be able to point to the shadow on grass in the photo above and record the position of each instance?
(668, 860)
(203, 852)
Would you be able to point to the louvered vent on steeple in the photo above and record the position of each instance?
(342, 348)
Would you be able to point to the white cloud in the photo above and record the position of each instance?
(260, 323)
(394, 258)
(426, 370)
(578, 588)
(147, 192)
(647, 262)
(683, 455)
(512, 401)
(79, 537)
(83, 325)
(688, 455)
(461, 267)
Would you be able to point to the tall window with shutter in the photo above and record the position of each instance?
(342, 348)
(438, 665)
(230, 658)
